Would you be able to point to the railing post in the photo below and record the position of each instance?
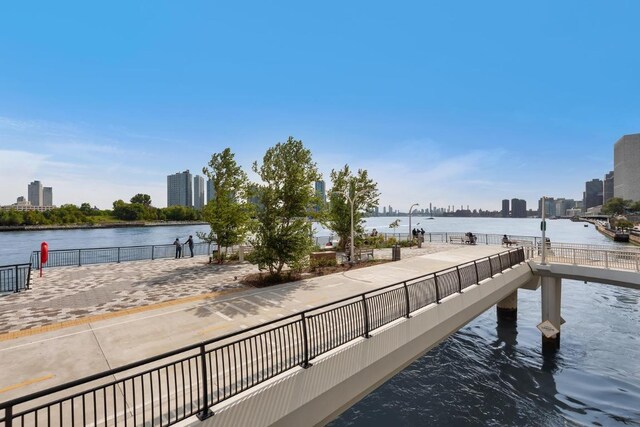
(500, 261)
(305, 363)
(118, 255)
(206, 412)
(8, 416)
(406, 297)
(16, 268)
(490, 266)
(606, 259)
(574, 256)
(79, 261)
(153, 248)
(28, 285)
(365, 310)
(486, 239)
(435, 281)
(475, 264)
(429, 237)
(459, 280)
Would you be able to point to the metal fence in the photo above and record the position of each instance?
(168, 388)
(616, 259)
(79, 257)
(15, 278)
(445, 237)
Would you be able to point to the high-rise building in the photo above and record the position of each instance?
(593, 193)
(180, 189)
(321, 193)
(505, 208)
(47, 196)
(608, 187)
(518, 208)
(626, 167)
(35, 193)
(211, 192)
(198, 192)
(549, 207)
(321, 190)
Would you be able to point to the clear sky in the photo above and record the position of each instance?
(450, 102)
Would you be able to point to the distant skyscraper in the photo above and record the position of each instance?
(211, 192)
(518, 208)
(505, 208)
(549, 207)
(35, 193)
(321, 193)
(179, 189)
(593, 193)
(47, 196)
(608, 187)
(198, 192)
(626, 167)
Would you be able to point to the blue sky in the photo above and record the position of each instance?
(453, 103)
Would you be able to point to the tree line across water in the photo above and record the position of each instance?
(274, 215)
(136, 210)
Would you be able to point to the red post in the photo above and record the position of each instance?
(44, 255)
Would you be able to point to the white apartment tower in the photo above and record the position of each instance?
(626, 167)
(180, 189)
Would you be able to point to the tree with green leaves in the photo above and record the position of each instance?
(616, 206)
(286, 199)
(346, 186)
(228, 212)
(143, 199)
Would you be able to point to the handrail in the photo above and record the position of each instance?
(113, 254)
(297, 338)
(15, 277)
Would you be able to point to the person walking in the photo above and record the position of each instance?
(190, 243)
(178, 248)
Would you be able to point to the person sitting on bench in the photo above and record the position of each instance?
(506, 241)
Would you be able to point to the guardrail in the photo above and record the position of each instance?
(79, 257)
(173, 386)
(622, 260)
(445, 237)
(15, 278)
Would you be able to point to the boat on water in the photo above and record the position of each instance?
(616, 235)
(430, 217)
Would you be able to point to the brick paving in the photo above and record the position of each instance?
(71, 293)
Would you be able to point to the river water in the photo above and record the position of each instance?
(487, 373)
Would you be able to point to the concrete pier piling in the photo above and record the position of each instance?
(507, 309)
(551, 299)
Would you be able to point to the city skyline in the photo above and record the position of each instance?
(466, 110)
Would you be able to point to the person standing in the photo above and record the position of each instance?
(178, 248)
(190, 243)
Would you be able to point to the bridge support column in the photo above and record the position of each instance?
(551, 297)
(507, 309)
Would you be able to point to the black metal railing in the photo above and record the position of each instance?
(79, 257)
(446, 237)
(15, 278)
(170, 387)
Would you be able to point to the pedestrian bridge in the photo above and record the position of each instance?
(307, 368)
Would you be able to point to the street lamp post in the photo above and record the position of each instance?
(410, 209)
(351, 201)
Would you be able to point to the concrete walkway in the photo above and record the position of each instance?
(33, 362)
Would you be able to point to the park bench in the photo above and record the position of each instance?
(368, 252)
(457, 239)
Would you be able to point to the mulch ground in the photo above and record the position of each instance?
(262, 280)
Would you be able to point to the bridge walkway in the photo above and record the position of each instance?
(49, 358)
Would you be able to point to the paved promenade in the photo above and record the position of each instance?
(85, 320)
